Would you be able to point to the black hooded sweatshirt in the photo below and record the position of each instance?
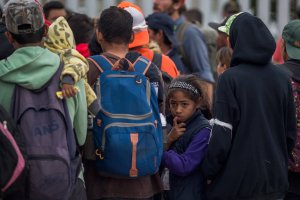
(254, 114)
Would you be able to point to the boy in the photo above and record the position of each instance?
(114, 33)
(31, 66)
(254, 118)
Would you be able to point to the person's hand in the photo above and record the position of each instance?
(68, 90)
(177, 130)
(99, 122)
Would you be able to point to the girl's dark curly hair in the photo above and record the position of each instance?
(201, 97)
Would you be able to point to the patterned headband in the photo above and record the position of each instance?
(184, 85)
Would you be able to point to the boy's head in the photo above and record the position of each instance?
(161, 28)
(53, 10)
(24, 21)
(224, 58)
(290, 35)
(115, 26)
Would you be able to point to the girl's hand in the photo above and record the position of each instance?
(176, 131)
(68, 91)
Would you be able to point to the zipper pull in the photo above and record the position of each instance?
(5, 124)
(155, 123)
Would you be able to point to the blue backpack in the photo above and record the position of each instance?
(129, 139)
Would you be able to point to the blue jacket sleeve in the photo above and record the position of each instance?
(196, 51)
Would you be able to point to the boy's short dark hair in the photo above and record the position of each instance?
(51, 5)
(115, 24)
(30, 37)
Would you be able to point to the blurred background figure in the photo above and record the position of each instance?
(230, 8)
(53, 10)
(223, 58)
(161, 30)
(83, 30)
(195, 16)
(277, 56)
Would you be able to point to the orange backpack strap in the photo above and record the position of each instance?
(101, 62)
(142, 65)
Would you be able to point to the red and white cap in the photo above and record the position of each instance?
(139, 26)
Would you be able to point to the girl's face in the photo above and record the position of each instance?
(221, 68)
(182, 106)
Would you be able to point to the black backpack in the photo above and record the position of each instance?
(157, 60)
(13, 159)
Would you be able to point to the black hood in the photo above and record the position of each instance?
(251, 41)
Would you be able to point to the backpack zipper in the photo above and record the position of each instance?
(126, 116)
(120, 76)
(5, 125)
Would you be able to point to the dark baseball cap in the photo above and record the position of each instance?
(23, 16)
(216, 25)
(162, 21)
(291, 36)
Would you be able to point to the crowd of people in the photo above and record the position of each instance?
(127, 106)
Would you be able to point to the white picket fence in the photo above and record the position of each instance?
(211, 9)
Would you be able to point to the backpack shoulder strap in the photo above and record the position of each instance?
(180, 37)
(37, 98)
(181, 30)
(142, 65)
(157, 59)
(101, 62)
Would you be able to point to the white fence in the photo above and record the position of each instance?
(211, 9)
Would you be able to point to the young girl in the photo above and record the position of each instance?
(188, 138)
(224, 59)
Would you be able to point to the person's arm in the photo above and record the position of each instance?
(93, 73)
(77, 107)
(290, 122)
(75, 66)
(184, 164)
(226, 117)
(197, 54)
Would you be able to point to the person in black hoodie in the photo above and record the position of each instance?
(291, 55)
(254, 119)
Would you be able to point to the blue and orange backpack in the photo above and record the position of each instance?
(129, 139)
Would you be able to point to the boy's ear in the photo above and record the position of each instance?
(132, 37)
(99, 36)
(228, 42)
(199, 103)
(46, 28)
(160, 33)
(9, 37)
